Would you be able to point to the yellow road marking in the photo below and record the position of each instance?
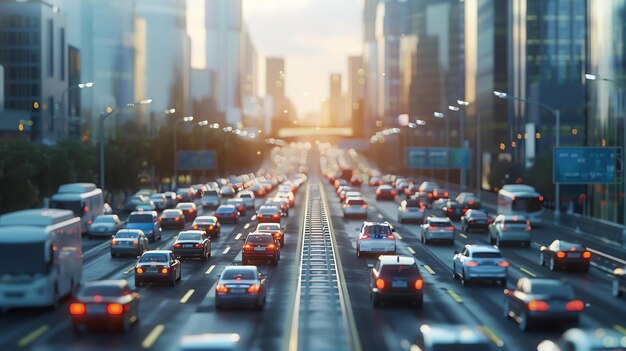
(129, 270)
(430, 270)
(620, 329)
(528, 272)
(463, 235)
(152, 337)
(238, 236)
(32, 336)
(493, 336)
(455, 296)
(208, 271)
(246, 226)
(186, 297)
(226, 250)
(398, 236)
(411, 250)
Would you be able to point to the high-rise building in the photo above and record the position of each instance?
(275, 84)
(35, 64)
(355, 95)
(249, 69)
(370, 63)
(1, 87)
(73, 109)
(335, 113)
(223, 55)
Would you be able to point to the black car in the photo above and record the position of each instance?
(261, 246)
(238, 203)
(268, 214)
(562, 254)
(189, 210)
(227, 214)
(173, 219)
(385, 192)
(475, 221)
(542, 300)
(192, 243)
(157, 266)
(396, 277)
(453, 210)
(209, 224)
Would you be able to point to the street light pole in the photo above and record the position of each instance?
(461, 111)
(447, 139)
(63, 108)
(479, 165)
(557, 115)
(175, 180)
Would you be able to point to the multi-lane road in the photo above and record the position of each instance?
(168, 313)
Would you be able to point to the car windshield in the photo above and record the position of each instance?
(397, 270)
(261, 239)
(376, 229)
(190, 236)
(74, 206)
(171, 213)
(153, 257)
(528, 204)
(23, 258)
(486, 255)
(232, 274)
(104, 219)
(102, 290)
(554, 289)
(127, 235)
(140, 218)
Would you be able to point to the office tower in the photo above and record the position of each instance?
(335, 113)
(275, 84)
(356, 94)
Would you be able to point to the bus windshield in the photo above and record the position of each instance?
(23, 258)
(527, 204)
(72, 205)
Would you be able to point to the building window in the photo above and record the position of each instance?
(50, 48)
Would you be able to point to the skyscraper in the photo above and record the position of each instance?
(335, 112)
(275, 84)
(370, 62)
(356, 91)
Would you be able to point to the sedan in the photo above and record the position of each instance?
(475, 220)
(172, 199)
(537, 299)
(247, 197)
(560, 254)
(453, 210)
(375, 181)
(396, 278)
(105, 303)
(411, 210)
(272, 228)
(238, 203)
(189, 210)
(437, 229)
(282, 205)
(240, 286)
(440, 193)
(505, 229)
(209, 224)
(227, 191)
(436, 337)
(159, 201)
(385, 192)
(480, 262)
(227, 214)
(173, 219)
(192, 243)
(268, 214)
(618, 287)
(260, 246)
(588, 339)
(105, 226)
(159, 266)
(354, 207)
(129, 242)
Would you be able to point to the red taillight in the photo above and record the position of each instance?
(115, 308)
(247, 247)
(419, 284)
(211, 227)
(380, 284)
(135, 243)
(450, 228)
(164, 270)
(177, 246)
(471, 264)
(222, 289)
(504, 264)
(364, 237)
(430, 195)
(540, 198)
(192, 210)
(489, 220)
(259, 216)
(393, 192)
(176, 219)
(377, 192)
(450, 210)
(232, 215)
(199, 246)
(587, 254)
(537, 305)
(77, 308)
(276, 216)
(390, 236)
(139, 270)
(575, 305)
(470, 202)
(364, 206)
(271, 247)
(113, 242)
(560, 254)
(195, 226)
(180, 197)
(254, 289)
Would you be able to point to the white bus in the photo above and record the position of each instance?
(521, 200)
(84, 199)
(42, 258)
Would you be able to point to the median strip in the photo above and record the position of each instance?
(528, 272)
(430, 270)
(226, 250)
(208, 271)
(411, 250)
(455, 296)
(186, 297)
(152, 337)
(32, 336)
(494, 338)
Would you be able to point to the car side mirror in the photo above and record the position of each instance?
(456, 252)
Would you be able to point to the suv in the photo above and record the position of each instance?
(437, 228)
(210, 199)
(146, 221)
(396, 277)
(261, 246)
(376, 238)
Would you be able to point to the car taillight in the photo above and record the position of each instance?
(195, 226)
(587, 254)
(176, 219)
(575, 305)
(254, 289)
(136, 243)
(232, 215)
(346, 205)
(259, 216)
(537, 305)
(450, 228)
(164, 270)
(247, 247)
(377, 192)
(471, 264)
(276, 216)
(393, 192)
(528, 228)
(430, 195)
(364, 206)
(540, 198)
(419, 284)
(77, 308)
(115, 308)
(222, 289)
(560, 254)
(211, 227)
(199, 246)
(271, 247)
(364, 237)
(470, 203)
(380, 284)
(390, 236)
(192, 210)
(177, 246)
(450, 210)
(504, 264)
(113, 242)
(445, 194)
(489, 220)
(139, 270)
(180, 197)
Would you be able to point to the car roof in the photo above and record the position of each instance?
(438, 219)
(181, 204)
(268, 224)
(153, 213)
(206, 218)
(191, 232)
(107, 282)
(209, 341)
(247, 267)
(396, 260)
(157, 252)
(226, 207)
(128, 231)
(568, 245)
(366, 223)
(482, 248)
(449, 333)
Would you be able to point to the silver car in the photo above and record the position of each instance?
(411, 211)
(129, 242)
(354, 207)
(248, 198)
(480, 262)
(577, 339)
(508, 229)
(376, 238)
(105, 226)
(438, 229)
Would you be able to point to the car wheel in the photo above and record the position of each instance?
(208, 254)
(524, 323)
(506, 310)
(358, 251)
(553, 266)
(375, 301)
(542, 261)
(498, 242)
(454, 276)
(419, 302)
(615, 288)
(173, 280)
(275, 261)
(502, 282)
(204, 256)
(125, 325)
(464, 281)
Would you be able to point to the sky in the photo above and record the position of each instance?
(314, 36)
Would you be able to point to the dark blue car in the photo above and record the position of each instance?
(148, 222)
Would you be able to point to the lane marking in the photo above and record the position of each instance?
(381, 216)
(537, 245)
(528, 272)
(620, 329)
(494, 338)
(411, 250)
(32, 336)
(253, 218)
(455, 296)
(430, 270)
(226, 250)
(398, 236)
(246, 226)
(186, 297)
(208, 271)
(463, 235)
(129, 269)
(152, 337)
(607, 256)
(238, 236)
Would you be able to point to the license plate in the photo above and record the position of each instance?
(399, 284)
(574, 254)
(151, 269)
(127, 243)
(101, 229)
(237, 290)
(188, 246)
(96, 309)
(488, 263)
(259, 248)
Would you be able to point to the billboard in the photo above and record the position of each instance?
(437, 158)
(587, 165)
(197, 160)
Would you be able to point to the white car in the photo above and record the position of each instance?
(480, 262)
(354, 207)
(376, 238)
(508, 229)
(248, 198)
(438, 229)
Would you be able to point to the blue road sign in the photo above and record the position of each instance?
(586, 165)
(437, 158)
(460, 158)
(197, 160)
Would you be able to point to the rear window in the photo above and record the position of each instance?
(153, 257)
(171, 213)
(486, 255)
(408, 271)
(263, 239)
(189, 236)
(356, 202)
(210, 193)
(225, 210)
(571, 246)
(528, 204)
(126, 235)
(440, 224)
(268, 210)
(106, 291)
(205, 221)
(515, 222)
(268, 227)
(232, 274)
(184, 206)
(376, 229)
(478, 215)
(412, 203)
(140, 218)
(247, 196)
(459, 347)
(552, 289)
